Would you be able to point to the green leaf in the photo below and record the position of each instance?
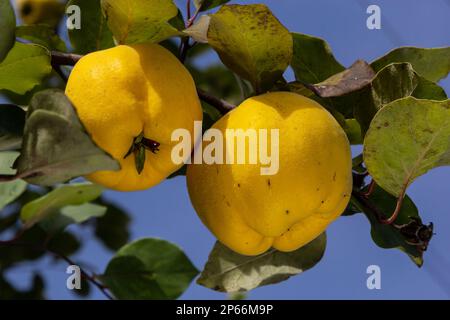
(393, 82)
(407, 138)
(94, 33)
(227, 271)
(209, 4)
(8, 27)
(25, 67)
(9, 191)
(42, 35)
(112, 228)
(149, 269)
(75, 214)
(433, 63)
(353, 131)
(7, 159)
(54, 201)
(391, 236)
(139, 21)
(56, 147)
(12, 122)
(313, 60)
(252, 43)
(352, 79)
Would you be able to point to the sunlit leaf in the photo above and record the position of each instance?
(252, 43)
(25, 67)
(139, 21)
(393, 82)
(432, 63)
(73, 214)
(54, 201)
(407, 138)
(209, 4)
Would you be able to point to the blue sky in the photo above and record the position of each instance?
(165, 211)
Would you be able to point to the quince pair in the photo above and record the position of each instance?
(131, 99)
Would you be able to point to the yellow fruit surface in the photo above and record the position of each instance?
(123, 91)
(40, 11)
(250, 212)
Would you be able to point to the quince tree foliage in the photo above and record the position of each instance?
(393, 106)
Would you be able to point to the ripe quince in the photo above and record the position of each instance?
(47, 12)
(250, 212)
(130, 99)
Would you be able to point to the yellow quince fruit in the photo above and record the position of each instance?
(47, 12)
(250, 212)
(130, 99)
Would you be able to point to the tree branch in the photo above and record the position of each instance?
(221, 105)
(65, 59)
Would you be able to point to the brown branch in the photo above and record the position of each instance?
(371, 189)
(90, 278)
(221, 105)
(64, 59)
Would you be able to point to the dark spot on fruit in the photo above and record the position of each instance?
(269, 183)
(334, 177)
(386, 124)
(228, 204)
(238, 185)
(317, 189)
(287, 212)
(322, 201)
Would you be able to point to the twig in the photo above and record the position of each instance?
(221, 105)
(64, 59)
(397, 210)
(371, 189)
(15, 242)
(184, 45)
(87, 276)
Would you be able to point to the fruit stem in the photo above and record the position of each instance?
(138, 147)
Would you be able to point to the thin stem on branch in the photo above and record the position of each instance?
(15, 241)
(221, 105)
